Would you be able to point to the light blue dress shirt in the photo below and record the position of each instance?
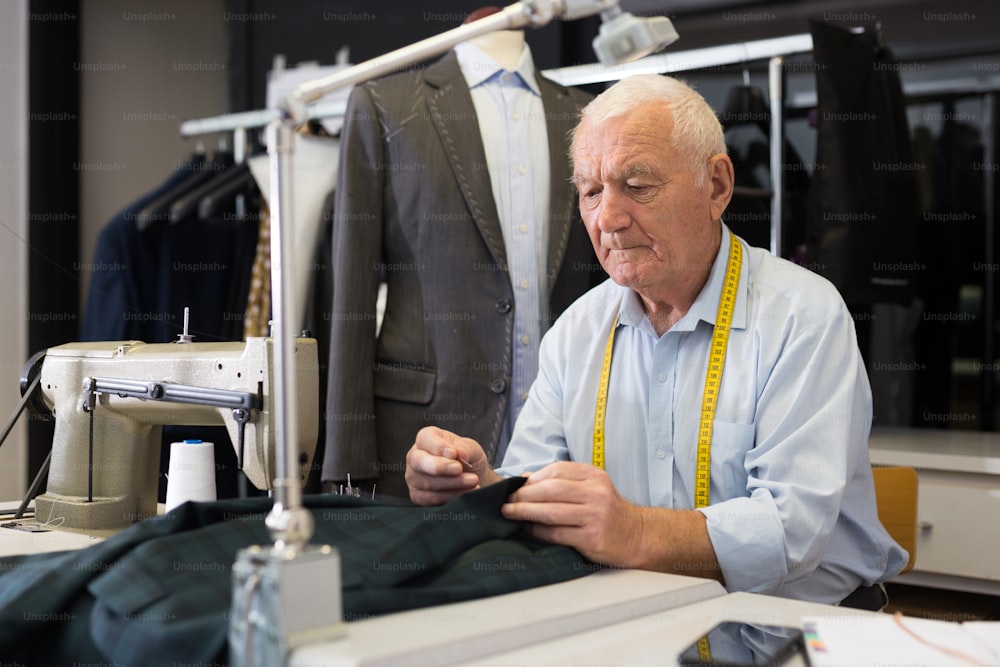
(792, 509)
(515, 139)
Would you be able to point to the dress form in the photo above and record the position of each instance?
(504, 46)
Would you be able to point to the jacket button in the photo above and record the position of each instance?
(503, 305)
(498, 386)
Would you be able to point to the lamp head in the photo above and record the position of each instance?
(623, 37)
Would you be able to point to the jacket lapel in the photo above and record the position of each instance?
(453, 115)
(560, 119)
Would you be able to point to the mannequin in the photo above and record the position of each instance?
(431, 205)
(504, 46)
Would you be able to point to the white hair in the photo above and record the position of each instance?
(697, 133)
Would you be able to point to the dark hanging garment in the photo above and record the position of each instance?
(746, 119)
(124, 271)
(147, 268)
(863, 205)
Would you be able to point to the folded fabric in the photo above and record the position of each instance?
(159, 592)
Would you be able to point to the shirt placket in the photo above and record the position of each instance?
(660, 420)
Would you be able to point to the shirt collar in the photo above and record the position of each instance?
(478, 66)
(706, 304)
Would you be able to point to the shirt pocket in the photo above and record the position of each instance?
(730, 443)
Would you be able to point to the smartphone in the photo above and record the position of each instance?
(738, 644)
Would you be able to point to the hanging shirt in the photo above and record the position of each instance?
(512, 125)
(792, 508)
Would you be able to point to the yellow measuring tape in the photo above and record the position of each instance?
(597, 456)
(713, 378)
(704, 649)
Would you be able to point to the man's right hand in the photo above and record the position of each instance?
(442, 465)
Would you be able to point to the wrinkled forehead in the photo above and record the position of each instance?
(638, 140)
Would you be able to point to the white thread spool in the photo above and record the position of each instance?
(191, 475)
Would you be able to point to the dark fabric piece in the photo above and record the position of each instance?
(203, 265)
(869, 598)
(863, 201)
(147, 269)
(123, 271)
(159, 592)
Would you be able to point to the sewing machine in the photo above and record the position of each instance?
(111, 399)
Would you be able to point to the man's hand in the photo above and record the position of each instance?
(577, 505)
(442, 465)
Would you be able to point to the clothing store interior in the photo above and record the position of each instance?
(266, 258)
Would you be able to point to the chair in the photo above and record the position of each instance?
(896, 497)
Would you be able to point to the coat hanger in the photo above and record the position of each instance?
(224, 195)
(156, 210)
(187, 204)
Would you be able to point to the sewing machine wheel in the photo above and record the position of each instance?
(33, 369)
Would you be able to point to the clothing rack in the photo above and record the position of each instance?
(248, 120)
(774, 50)
(916, 91)
(680, 61)
(568, 76)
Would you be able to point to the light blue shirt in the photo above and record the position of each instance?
(515, 139)
(792, 509)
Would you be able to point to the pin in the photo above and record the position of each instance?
(185, 337)
(353, 490)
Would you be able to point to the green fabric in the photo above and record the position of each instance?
(159, 593)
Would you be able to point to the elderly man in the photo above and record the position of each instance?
(706, 411)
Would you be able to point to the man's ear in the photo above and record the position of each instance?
(721, 181)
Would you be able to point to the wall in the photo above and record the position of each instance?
(145, 67)
(13, 232)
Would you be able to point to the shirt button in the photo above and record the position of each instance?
(524, 395)
(523, 229)
(661, 377)
(516, 116)
(503, 305)
(660, 454)
(498, 386)
(524, 284)
(521, 169)
(525, 340)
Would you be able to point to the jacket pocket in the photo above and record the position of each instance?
(398, 382)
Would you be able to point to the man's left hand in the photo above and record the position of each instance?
(576, 504)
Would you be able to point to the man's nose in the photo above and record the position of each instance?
(613, 215)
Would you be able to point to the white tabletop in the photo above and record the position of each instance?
(657, 639)
(478, 629)
(18, 541)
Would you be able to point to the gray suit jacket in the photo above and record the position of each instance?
(414, 207)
